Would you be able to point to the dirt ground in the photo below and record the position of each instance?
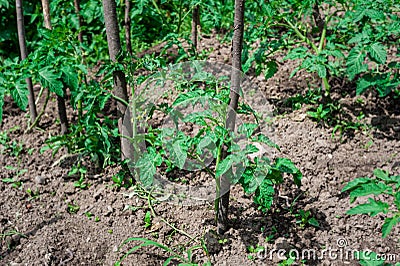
(50, 234)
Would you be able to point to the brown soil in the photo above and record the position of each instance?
(51, 235)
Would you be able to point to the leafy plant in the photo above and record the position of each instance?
(381, 184)
(173, 147)
(303, 218)
(254, 250)
(72, 208)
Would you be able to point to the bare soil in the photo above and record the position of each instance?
(49, 234)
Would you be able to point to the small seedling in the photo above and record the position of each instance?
(72, 208)
(89, 215)
(303, 218)
(147, 220)
(32, 194)
(223, 241)
(271, 236)
(254, 250)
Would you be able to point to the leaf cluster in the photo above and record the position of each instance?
(381, 184)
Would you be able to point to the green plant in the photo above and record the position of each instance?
(254, 250)
(178, 150)
(147, 220)
(381, 184)
(33, 194)
(330, 38)
(10, 233)
(303, 218)
(15, 183)
(72, 208)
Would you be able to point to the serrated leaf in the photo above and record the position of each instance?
(287, 166)
(264, 139)
(178, 152)
(271, 69)
(356, 183)
(191, 97)
(296, 53)
(381, 174)
(321, 70)
(355, 61)
(372, 208)
(146, 168)
(70, 77)
(362, 85)
(264, 195)
(388, 225)
(20, 95)
(377, 52)
(50, 79)
(247, 129)
(370, 188)
(224, 166)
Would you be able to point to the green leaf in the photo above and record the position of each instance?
(247, 129)
(356, 183)
(271, 69)
(50, 79)
(20, 95)
(70, 77)
(321, 70)
(355, 62)
(372, 208)
(264, 195)
(370, 188)
(224, 166)
(381, 174)
(178, 152)
(377, 53)
(388, 225)
(296, 53)
(191, 97)
(312, 221)
(264, 139)
(146, 168)
(363, 84)
(287, 166)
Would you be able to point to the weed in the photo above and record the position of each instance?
(33, 194)
(303, 218)
(72, 208)
(147, 220)
(254, 250)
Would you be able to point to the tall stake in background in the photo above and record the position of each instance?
(237, 45)
(120, 85)
(24, 54)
